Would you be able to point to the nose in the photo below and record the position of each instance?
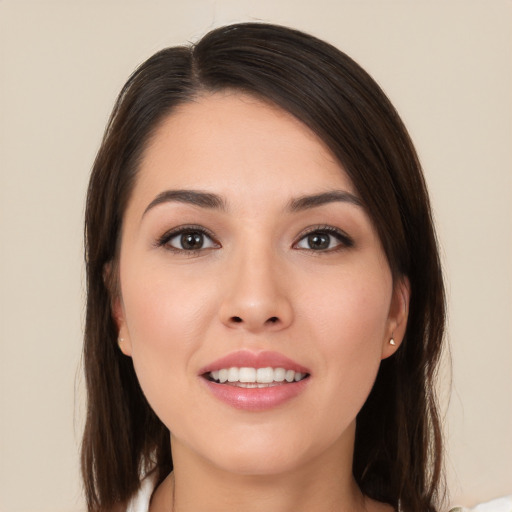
(256, 294)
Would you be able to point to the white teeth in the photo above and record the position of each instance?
(265, 375)
(252, 385)
(246, 375)
(233, 375)
(279, 374)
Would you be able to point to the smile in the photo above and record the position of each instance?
(255, 381)
(247, 377)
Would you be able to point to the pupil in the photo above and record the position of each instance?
(318, 241)
(192, 241)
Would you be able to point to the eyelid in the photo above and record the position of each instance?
(163, 240)
(345, 240)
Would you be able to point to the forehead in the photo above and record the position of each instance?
(236, 145)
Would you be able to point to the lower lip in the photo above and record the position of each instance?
(256, 399)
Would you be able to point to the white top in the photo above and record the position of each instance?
(499, 505)
(140, 503)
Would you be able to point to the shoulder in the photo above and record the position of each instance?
(140, 502)
(499, 505)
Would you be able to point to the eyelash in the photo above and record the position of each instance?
(164, 240)
(345, 241)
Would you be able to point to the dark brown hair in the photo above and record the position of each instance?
(398, 453)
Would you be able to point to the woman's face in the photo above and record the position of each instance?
(245, 245)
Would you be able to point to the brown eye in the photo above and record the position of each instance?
(325, 239)
(318, 241)
(191, 241)
(187, 240)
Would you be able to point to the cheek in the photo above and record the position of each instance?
(349, 310)
(166, 320)
(348, 320)
(164, 309)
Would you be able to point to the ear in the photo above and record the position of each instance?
(123, 336)
(397, 318)
(117, 307)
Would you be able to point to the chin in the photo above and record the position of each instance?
(259, 464)
(263, 453)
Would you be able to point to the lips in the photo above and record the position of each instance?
(248, 359)
(255, 381)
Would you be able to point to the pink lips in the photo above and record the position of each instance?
(254, 360)
(255, 399)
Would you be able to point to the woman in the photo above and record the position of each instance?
(265, 301)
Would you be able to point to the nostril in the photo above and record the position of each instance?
(273, 320)
(236, 319)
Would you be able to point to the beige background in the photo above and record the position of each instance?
(447, 67)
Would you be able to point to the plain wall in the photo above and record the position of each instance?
(446, 65)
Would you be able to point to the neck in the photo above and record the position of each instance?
(322, 484)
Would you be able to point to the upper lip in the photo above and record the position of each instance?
(248, 359)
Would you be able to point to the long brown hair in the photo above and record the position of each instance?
(398, 452)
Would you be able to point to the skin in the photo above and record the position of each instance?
(333, 310)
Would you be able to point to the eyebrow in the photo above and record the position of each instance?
(193, 197)
(313, 201)
(216, 202)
